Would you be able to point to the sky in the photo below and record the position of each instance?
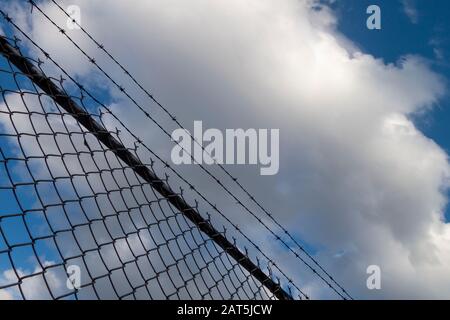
(362, 115)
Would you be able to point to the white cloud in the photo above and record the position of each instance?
(410, 9)
(357, 179)
(5, 295)
(34, 287)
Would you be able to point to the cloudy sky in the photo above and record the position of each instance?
(364, 172)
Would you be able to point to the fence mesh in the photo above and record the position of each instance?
(70, 201)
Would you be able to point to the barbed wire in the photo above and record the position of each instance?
(83, 90)
(178, 123)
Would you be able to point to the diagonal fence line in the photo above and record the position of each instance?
(344, 293)
(107, 139)
(213, 206)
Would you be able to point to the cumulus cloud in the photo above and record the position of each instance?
(358, 181)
